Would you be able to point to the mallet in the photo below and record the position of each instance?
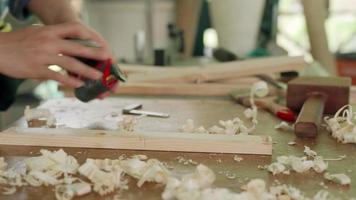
(313, 97)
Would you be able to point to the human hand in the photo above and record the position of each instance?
(27, 53)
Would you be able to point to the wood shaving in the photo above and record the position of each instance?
(298, 164)
(3, 164)
(342, 125)
(276, 168)
(128, 124)
(291, 143)
(104, 176)
(238, 158)
(39, 117)
(230, 175)
(186, 161)
(284, 126)
(67, 192)
(341, 179)
(190, 185)
(8, 190)
(309, 152)
(236, 125)
(342, 157)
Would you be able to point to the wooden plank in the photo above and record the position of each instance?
(134, 68)
(220, 71)
(152, 141)
(211, 89)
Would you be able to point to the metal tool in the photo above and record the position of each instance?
(94, 88)
(315, 96)
(134, 109)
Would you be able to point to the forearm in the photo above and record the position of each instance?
(53, 11)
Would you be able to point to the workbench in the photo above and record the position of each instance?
(206, 112)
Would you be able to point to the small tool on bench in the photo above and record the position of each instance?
(313, 97)
(135, 109)
(94, 88)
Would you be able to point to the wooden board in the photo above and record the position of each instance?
(220, 71)
(205, 89)
(185, 142)
(169, 89)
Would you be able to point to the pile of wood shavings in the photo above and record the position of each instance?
(39, 117)
(63, 172)
(236, 125)
(285, 164)
(342, 125)
(105, 176)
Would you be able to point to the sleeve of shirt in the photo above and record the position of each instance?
(18, 8)
(8, 90)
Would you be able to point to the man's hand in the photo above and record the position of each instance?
(27, 53)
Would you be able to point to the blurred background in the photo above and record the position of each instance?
(189, 32)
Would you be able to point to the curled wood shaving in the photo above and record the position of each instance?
(106, 175)
(309, 152)
(284, 126)
(342, 125)
(8, 190)
(342, 157)
(341, 179)
(67, 192)
(39, 117)
(190, 185)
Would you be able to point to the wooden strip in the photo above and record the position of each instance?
(134, 68)
(220, 71)
(169, 89)
(178, 89)
(155, 141)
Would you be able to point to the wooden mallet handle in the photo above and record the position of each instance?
(310, 116)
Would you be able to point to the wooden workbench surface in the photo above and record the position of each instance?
(203, 112)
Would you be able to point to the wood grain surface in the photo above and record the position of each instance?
(204, 112)
(151, 141)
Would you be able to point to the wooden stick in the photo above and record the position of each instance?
(210, 89)
(155, 141)
(184, 89)
(219, 71)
